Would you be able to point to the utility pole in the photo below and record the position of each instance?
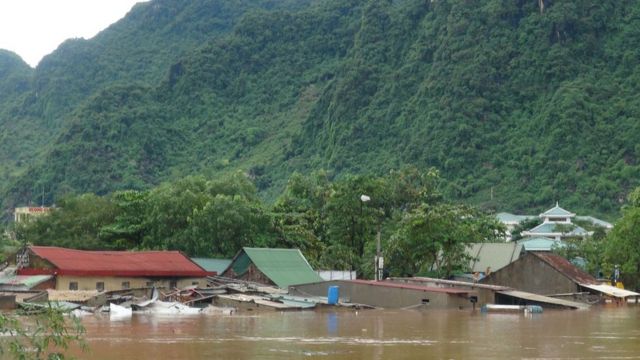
(379, 265)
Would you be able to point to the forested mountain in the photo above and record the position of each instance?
(518, 105)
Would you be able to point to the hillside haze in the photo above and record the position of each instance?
(518, 106)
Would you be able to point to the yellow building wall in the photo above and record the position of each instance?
(116, 283)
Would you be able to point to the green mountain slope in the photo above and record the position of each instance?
(136, 50)
(516, 106)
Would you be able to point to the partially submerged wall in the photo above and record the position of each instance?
(379, 295)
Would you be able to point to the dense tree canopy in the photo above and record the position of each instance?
(516, 107)
(327, 220)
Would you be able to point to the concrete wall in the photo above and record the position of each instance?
(531, 274)
(384, 297)
(115, 283)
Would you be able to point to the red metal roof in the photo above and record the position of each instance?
(565, 267)
(115, 263)
(447, 290)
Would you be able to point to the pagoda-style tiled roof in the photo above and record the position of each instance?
(551, 228)
(557, 211)
(540, 243)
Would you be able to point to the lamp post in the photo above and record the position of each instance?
(378, 262)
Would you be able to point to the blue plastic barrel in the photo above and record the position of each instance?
(332, 295)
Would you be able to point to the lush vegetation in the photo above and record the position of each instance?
(326, 219)
(47, 335)
(517, 107)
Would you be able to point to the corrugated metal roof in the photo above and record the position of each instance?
(115, 263)
(27, 281)
(610, 290)
(565, 267)
(284, 267)
(543, 299)
(217, 265)
(493, 255)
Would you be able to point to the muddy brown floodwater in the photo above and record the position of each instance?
(607, 332)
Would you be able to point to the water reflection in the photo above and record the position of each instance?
(597, 333)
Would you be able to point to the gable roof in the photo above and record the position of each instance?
(115, 263)
(284, 267)
(565, 267)
(492, 255)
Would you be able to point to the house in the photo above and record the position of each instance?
(557, 223)
(549, 274)
(494, 294)
(109, 270)
(279, 267)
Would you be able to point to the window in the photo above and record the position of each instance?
(125, 285)
(73, 285)
(149, 284)
(194, 283)
(100, 286)
(173, 284)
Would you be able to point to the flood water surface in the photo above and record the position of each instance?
(607, 332)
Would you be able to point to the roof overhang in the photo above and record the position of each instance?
(610, 290)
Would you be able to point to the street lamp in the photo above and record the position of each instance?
(378, 262)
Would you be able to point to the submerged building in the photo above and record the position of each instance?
(108, 270)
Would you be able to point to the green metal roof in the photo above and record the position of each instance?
(284, 267)
(217, 265)
(492, 255)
